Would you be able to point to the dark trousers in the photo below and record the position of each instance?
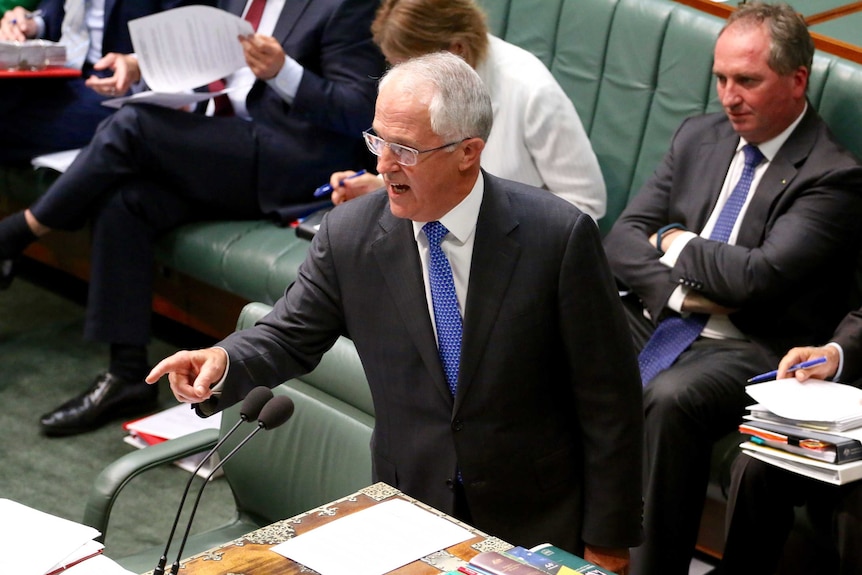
(148, 170)
(761, 515)
(43, 115)
(698, 400)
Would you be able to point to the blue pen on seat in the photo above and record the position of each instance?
(327, 188)
(771, 374)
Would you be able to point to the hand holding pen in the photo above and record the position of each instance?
(18, 24)
(337, 177)
(769, 375)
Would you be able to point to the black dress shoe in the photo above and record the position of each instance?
(7, 273)
(107, 399)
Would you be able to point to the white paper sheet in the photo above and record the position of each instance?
(373, 541)
(99, 565)
(188, 47)
(174, 422)
(59, 161)
(34, 541)
(812, 400)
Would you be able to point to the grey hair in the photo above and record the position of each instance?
(458, 102)
(791, 44)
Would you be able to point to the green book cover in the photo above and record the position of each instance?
(569, 560)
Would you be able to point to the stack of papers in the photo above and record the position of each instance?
(185, 48)
(38, 543)
(813, 428)
(169, 424)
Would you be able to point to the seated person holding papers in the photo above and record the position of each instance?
(502, 373)
(537, 139)
(150, 169)
(43, 115)
(762, 496)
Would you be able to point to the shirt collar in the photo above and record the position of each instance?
(461, 220)
(770, 148)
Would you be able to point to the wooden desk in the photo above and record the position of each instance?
(251, 555)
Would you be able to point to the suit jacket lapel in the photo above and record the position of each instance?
(780, 173)
(714, 157)
(399, 262)
(290, 14)
(234, 6)
(495, 255)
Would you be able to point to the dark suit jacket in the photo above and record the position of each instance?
(790, 274)
(321, 131)
(849, 336)
(546, 427)
(118, 13)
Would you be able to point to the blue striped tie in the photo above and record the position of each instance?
(447, 316)
(675, 334)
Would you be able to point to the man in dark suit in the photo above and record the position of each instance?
(42, 115)
(522, 414)
(725, 252)
(762, 497)
(149, 169)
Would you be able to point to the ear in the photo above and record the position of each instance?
(462, 49)
(800, 82)
(471, 154)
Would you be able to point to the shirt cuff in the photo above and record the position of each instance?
(672, 254)
(219, 385)
(837, 376)
(676, 299)
(286, 82)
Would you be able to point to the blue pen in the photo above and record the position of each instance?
(771, 374)
(327, 188)
(28, 16)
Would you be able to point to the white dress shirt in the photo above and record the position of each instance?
(457, 245)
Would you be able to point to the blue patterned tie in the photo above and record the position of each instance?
(675, 334)
(447, 316)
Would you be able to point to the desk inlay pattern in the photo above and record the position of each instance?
(251, 555)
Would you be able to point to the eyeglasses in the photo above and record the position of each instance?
(404, 155)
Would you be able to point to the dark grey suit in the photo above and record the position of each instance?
(789, 276)
(546, 425)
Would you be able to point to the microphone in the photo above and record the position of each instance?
(251, 407)
(276, 412)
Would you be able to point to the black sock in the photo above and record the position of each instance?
(129, 362)
(15, 235)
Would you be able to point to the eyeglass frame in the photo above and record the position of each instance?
(369, 137)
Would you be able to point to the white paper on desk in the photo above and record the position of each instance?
(99, 565)
(188, 47)
(812, 400)
(174, 422)
(373, 541)
(33, 541)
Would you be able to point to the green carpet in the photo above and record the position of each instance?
(45, 361)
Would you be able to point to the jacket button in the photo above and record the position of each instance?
(457, 425)
(450, 483)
